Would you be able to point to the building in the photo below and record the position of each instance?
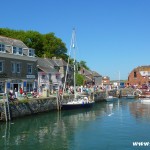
(61, 66)
(105, 80)
(91, 77)
(97, 78)
(17, 66)
(139, 76)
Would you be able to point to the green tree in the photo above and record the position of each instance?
(47, 45)
(82, 64)
(54, 47)
(79, 79)
(35, 40)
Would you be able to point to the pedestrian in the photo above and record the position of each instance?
(16, 93)
(21, 91)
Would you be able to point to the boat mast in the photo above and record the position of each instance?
(74, 65)
(72, 46)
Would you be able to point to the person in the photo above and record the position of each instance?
(11, 93)
(16, 93)
(21, 91)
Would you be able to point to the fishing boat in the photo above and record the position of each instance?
(78, 101)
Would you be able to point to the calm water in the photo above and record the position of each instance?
(108, 125)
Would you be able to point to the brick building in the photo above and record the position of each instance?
(139, 76)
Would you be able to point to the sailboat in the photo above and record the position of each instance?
(78, 101)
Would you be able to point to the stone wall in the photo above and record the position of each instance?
(19, 108)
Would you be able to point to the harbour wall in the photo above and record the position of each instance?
(20, 108)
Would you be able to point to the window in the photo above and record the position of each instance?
(31, 52)
(57, 76)
(18, 67)
(14, 50)
(20, 51)
(2, 48)
(29, 69)
(1, 87)
(17, 50)
(135, 75)
(13, 67)
(29, 87)
(1, 66)
(43, 77)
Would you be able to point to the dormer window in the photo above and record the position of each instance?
(2, 48)
(31, 52)
(20, 51)
(17, 50)
(14, 50)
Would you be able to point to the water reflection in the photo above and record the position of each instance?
(59, 130)
(46, 130)
(140, 110)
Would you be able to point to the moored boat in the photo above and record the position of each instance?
(110, 98)
(145, 100)
(79, 101)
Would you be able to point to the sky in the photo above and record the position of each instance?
(113, 36)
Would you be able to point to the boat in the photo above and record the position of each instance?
(145, 100)
(110, 98)
(130, 96)
(78, 101)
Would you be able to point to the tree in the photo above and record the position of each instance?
(79, 79)
(82, 64)
(54, 46)
(45, 45)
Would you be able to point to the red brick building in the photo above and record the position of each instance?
(139, 76)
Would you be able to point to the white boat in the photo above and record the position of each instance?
(110, 98)
(130, 96)
(145, 100)
(80, 102)
(77, 101)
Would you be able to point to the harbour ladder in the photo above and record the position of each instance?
(6, 107)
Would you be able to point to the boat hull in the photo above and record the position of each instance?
(77, 106)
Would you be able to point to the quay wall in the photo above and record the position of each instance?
(20, 108)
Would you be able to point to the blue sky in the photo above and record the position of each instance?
(112, 35)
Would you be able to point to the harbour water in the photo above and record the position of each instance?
(108, 125)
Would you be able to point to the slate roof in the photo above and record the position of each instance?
(45, 65)
(12, 42)
(17, 57)
(95, 74)
(59, 62)
(86, 72)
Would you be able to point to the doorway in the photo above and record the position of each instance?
(15, 87)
